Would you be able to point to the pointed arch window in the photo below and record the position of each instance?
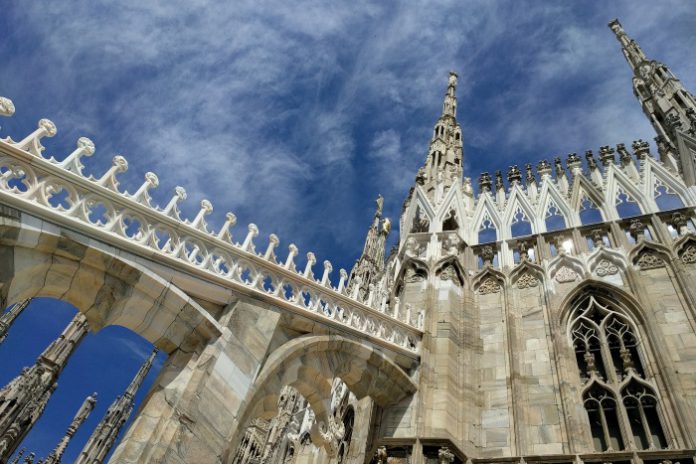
(626, 205)
(555, 220)
(450, 222)
(621, 403)
(420, 222)
(520, 224)
(589, 212)
(666, 198)
(487, 231)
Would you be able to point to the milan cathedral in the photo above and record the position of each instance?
(545, 316)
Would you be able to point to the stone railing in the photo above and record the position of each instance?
(59, 192)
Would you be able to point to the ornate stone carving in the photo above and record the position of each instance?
(527, 280)
(649, 260)
(566, 274)
(489, 285)
(688, 256)
(450, 273)
(381, 455)
(445, 456)
(7, 108)
(413, 276)
(487, 254)
(605, 268)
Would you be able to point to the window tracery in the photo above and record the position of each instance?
(487, 229)
(520, 224)
(621, 404)
(665, 197)
(589, 212)
(626, 205)
(554, 218)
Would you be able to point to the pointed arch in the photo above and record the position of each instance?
(619, 190)
(685, 248)
(419, 203)
(518, 208)
(618, 389)
(453, 203)
(606, 262)
(647, 253)
(451, 261)
(584, 193)
(489, 280)
(563, 266)
(486, 217)
(527, 274)
(550, 197)
(655, 176)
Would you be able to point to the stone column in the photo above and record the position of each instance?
(195, 402)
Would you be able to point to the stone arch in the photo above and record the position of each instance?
(518, 202)
(654, 173)
(486, 212)
(524, 269)
(442, 265)
(598, 263)
(309, 364)
(685, 248)
(570, 262)
(627, 309)
(549, 194)
(617, 182)
(107, 288)
(619, 297)
(647, 255)
(487, 279)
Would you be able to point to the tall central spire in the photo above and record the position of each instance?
(443, 166)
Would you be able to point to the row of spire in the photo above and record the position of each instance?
(670, 108)
(23, 399)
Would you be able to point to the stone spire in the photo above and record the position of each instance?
(22, 401)
(670, 108)
(443, 165)
(105, 434)
(9, 317)
(369, 267)
(82, 415)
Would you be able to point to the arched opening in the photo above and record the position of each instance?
(106, 362)
(322, 369)
(450, 222)
(520, 224)
(609, 353)
(626, 205)
(554, 218)
(666, 198)
(589, 212)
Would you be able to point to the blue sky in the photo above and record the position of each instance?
(295, 115)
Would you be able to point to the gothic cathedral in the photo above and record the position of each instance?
(558, 308)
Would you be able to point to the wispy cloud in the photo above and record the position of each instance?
(295, 116)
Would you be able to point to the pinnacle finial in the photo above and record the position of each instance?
(449, 106)
(380, 205)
